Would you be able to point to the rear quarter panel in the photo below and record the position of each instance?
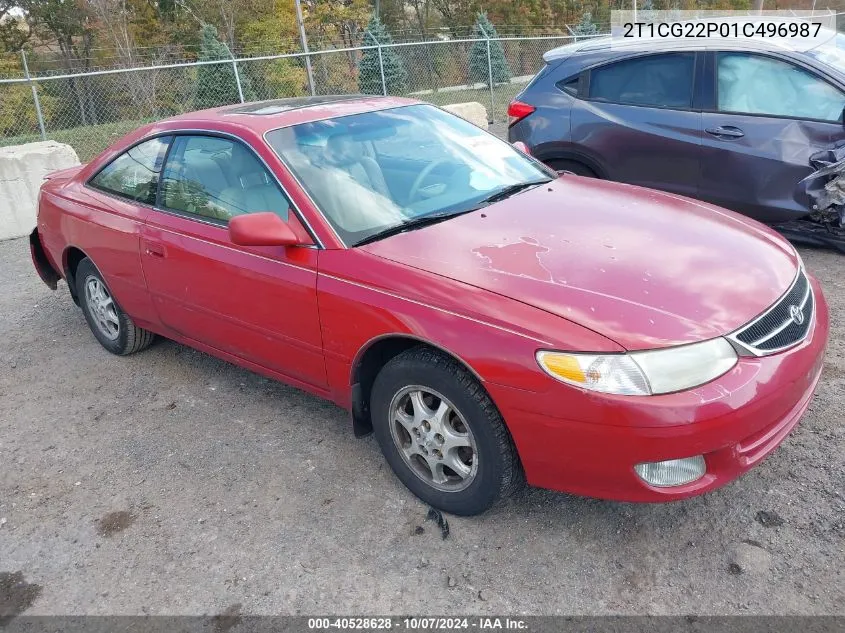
(547, 130)
(107, 230)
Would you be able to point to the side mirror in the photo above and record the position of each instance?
(261, 229)
(522, 147)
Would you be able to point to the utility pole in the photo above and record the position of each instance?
(304, 41)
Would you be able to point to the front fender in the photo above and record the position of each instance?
(363, 298)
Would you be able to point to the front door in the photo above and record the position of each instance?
(257, 303)
(770, 115)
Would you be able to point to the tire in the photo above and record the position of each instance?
(579, 169)
(486, 469)
(110, 325)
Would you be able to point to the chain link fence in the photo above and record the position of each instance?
(90, 110)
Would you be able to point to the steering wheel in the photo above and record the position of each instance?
(415, 188)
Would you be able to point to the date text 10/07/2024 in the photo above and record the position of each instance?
(417, 624)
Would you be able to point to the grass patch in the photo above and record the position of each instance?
(88, 141)
(502, 95)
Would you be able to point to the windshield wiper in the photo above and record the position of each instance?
(426, 220)
(510, 190)
(413, 223)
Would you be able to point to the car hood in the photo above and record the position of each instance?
(644, 268)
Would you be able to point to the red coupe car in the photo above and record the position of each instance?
(490, 321)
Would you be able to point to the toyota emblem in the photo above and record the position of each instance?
(796, 314)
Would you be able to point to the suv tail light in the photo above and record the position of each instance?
(517, 111)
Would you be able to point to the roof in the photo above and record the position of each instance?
(262, 116)
(277, 106)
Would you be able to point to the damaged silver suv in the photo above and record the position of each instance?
(738, 123)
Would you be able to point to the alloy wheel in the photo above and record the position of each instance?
(433, 438)
(101, 306)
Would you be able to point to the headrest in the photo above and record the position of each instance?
(342, 150)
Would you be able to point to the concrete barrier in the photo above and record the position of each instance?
(472, 111)
(22, 170)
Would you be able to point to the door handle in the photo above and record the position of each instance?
(153, 250)
(725, 131)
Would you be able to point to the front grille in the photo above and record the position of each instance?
(785, 323)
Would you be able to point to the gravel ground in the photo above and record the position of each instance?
(172, 482)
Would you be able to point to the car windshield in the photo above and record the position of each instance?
(377, 172)
(831, 53)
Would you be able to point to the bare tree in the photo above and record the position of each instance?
(114, 18)
(226, 15)
(70, 25)
(115, 25)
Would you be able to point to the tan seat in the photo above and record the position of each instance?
(344, 152)
(251, 188)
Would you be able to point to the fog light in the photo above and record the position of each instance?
(672, 472)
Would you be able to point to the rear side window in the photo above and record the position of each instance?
(660, 81)
(135, 173)
(570, 86)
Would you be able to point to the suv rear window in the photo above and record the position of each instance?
(661, 81)
(570, 86)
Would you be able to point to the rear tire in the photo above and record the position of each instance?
(573, 166)
(110, 325)
(441, 433)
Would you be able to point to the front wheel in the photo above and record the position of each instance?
(441, 433)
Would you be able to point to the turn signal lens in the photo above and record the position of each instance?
(672, 472)
(613, 373)
(564, 366)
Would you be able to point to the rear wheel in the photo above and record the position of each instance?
(111, 326)
(577, 168)
(441, 433)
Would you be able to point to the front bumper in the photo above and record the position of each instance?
(587, 443)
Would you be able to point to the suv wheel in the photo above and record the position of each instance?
(573, 166)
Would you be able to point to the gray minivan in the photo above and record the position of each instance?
(732, 122)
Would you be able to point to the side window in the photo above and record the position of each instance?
(218, 178)
(135, 173)
(755, 84)
(662, 81)
(570, 86)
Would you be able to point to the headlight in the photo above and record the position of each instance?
(642, 373)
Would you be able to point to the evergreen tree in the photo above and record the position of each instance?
(479, 72)
(674, 13)
(646, 12)
(216, 84)
(586, 26)
(369, 70)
